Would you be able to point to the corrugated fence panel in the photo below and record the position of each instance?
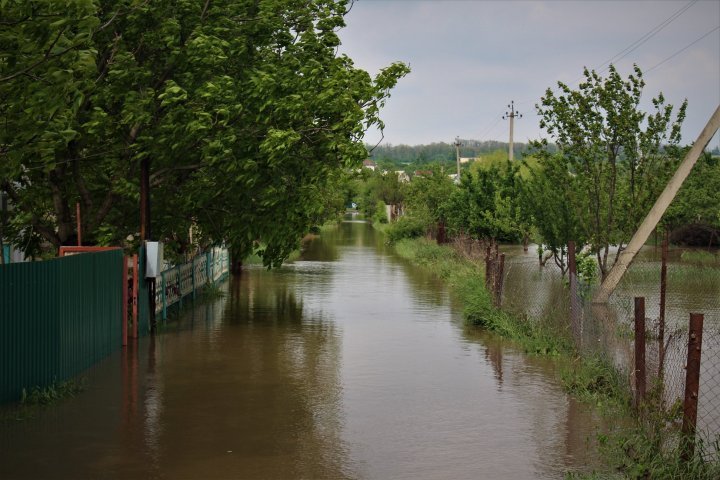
(57, 318)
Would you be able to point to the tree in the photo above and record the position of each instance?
(550, 199)
(427, 198)
(487, 203)
(613, 150)
(694, 215)
(243, 108)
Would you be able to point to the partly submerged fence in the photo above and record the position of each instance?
(608, 330)
(58, 318)
(61, 316)
(179, 281)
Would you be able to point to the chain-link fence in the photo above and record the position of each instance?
(542, 293)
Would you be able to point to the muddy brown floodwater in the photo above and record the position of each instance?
(348, 363)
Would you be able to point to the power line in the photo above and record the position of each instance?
(640, 41)
(489, 129)
(654, 31)
(681, 50)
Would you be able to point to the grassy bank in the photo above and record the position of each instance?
(467, 279)
(642, 444)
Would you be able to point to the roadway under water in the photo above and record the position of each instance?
(348, 363)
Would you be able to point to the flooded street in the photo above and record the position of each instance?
(348, 363)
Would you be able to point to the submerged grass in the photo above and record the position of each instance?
(692, 276)
(35, 398)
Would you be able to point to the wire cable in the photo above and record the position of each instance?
(681, 50)
(654, 31)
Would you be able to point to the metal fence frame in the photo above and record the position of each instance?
(179, 281)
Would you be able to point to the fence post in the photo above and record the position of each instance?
(692, 385)
(572, 275)
(661, 320)
(639, 350)
(487, 268)
(164, 302)
(499, 280)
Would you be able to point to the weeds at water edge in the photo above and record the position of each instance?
(467, 280)
(37, 397)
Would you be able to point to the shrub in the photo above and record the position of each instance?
(405, 227)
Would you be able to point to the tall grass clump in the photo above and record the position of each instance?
(54, 392)
(701, 257)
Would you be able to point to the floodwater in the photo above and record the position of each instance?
(348, 363)
(691, 288)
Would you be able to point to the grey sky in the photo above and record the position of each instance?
(470, 58)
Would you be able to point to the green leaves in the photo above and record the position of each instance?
(611, 149)
(243, 109)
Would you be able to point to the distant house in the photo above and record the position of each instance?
(402, 176)
(369, 164)
(423, 173)
(467, 159)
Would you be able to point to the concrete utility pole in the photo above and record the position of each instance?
(511, 115)
(457, 156)
(657, 211)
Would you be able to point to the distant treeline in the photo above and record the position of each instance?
(441, 152)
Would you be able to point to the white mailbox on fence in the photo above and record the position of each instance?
(153, 259)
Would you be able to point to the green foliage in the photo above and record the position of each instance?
(487, 204)
(700, 257)
(696, 203)
(418, 157)
(210, 292)
(653, 446)
(52, 393)
(427, 197)
(550, 201)
(380, 215)
(594, 379)
(244, 109)
(613, 156)
(374, 189)
(467, 281)
(405, 227)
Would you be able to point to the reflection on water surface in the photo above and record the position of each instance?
(346, 364)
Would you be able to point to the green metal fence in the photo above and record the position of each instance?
(57, 318)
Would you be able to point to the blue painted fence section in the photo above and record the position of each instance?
(57, 318)
(183, 280)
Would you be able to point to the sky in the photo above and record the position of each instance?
(470, 58)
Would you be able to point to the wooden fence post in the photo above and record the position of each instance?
(499, 280)
(692, 385)
(488, 267)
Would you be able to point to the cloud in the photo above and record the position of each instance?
(470, 58)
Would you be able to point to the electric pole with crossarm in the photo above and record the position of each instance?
(511, 115)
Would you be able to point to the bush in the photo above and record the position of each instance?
(405, 227)
(380, 214)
